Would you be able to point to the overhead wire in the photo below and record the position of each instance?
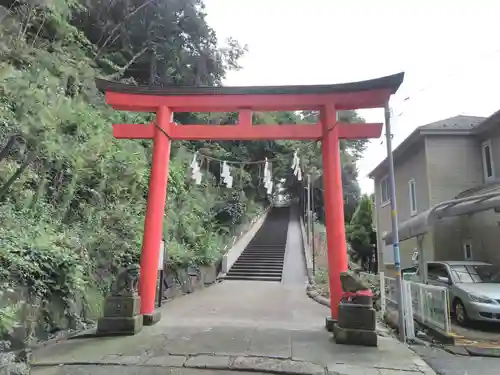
(398, 105)
(491, 54)
(407, 98)
(414, 94)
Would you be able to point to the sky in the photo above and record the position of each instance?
(449, 51)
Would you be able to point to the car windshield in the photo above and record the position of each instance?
(483, 273)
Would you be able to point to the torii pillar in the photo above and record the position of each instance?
(327, 99)
(334, 208)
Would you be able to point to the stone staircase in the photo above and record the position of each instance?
(263, 257)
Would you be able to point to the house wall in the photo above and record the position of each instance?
(413, 167)
(443, 167)
(485, 226)
(493, 135)
(481, 230)
(484, 235)
(448, 233)
(454, 165)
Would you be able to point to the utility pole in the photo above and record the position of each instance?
(304, 202)
(312, 228)
(309, 210)
(394, 220)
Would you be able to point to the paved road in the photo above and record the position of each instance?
(133, 370)
(478, 331)
(445, 363)
(254, 304)
(243, 325)
(234, 325)
(294, 268)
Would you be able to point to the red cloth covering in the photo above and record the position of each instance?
(349, 295)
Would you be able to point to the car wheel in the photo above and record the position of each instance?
(460, 313)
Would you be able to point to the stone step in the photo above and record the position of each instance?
(263, 257)
(281, 251)
(251, 265)
(253, 278)
(261, 262)
(254, 272)
(260, 269)
(265, 245)
(258, 258)
(252, 251)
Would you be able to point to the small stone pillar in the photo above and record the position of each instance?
(357, 317)
(122, 308)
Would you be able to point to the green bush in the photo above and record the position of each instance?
(73, 198)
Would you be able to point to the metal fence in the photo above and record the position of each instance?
(391, 292)
(429, 304)
(426, 304)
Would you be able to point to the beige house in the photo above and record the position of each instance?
(455, 161)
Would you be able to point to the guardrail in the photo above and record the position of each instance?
(427, 304)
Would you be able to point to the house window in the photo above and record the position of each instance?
(384, 191)
(467, 251)
(488, 168)
(412, 194)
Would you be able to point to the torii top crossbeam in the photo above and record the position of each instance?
(244, 100)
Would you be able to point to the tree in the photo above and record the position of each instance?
(360, 233)
(311, 156)
(165, 42)
(83, 193)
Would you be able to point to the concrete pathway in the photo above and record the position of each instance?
(263, 327)
(294, 268)
(445, 363)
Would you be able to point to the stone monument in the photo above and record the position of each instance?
(122, 308)
(357, 317)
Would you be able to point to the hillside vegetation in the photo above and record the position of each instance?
(72, 198)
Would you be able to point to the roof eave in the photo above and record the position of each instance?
(415, 137)
(398, 151)
(488, 123)
(391, 83)
(447, 131)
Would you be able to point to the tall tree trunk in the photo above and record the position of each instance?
(152, 68)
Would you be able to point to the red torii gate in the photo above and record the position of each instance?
(328, 99)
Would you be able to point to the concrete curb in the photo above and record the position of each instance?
(223, 362)
(381, 331)
(62, 336)
(307, 252)
(472, 351)
(314, 295)
(269, 365)
(443, 337)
